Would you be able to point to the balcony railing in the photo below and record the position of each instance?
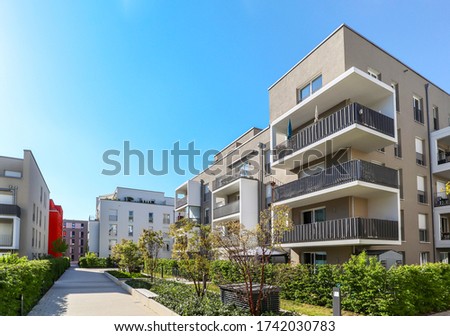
(181, 201)
(230, 177)
(355, 170)
(227, 209)
(342, 229)
(10, 209)
(349, 115)
(441, 199)
(5, 240)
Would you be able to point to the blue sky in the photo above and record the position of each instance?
(78, 78)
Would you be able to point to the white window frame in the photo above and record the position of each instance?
(313, 210)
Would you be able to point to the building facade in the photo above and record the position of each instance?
(357, 148)
(55, 227)
(75, 234)
(125, 213)
(24, 207)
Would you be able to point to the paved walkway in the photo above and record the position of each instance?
(88, 292)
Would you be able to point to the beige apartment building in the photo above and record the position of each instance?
(357, 147)
(24, 207)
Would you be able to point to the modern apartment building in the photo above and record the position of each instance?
(75, 234)
(24, 207)
(359, 147)
(125, 213)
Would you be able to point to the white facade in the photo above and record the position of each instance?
(24, 207)
(93, 236)
(125, 214)
(188, 200)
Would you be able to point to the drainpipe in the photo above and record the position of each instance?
(261, 177)
(429, 167)
(202, 192)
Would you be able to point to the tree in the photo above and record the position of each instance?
(250, 250)
(59, 246)
(150, 242)
(193, 250)
(127, 255)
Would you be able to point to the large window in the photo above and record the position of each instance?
(420, 157)
(130, 230)
(207, 216)
(113, 230)
(445, 229)
(309, 88)
(423, 232)
(315, 258)
(424, 257)
(435, 118)
(418, 109)
(313, 216)
(150, 217)
(130, 216)
(113, 215)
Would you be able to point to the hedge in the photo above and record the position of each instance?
(30, 279)
(90, 260)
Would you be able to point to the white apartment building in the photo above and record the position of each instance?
(24, 207)
(125, 213)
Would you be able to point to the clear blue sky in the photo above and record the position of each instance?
(78, 78)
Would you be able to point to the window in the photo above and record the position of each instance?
(315, 258)
(424, 257)
(402, 225)
(73, 225)
(397, 97)
(443, 257)
(130, 216)
(45, 200)
(313, 216)
(267, 168)
(442, 156)
(400, 182)
(32, 238)
(40, 236)
(34, 212)
(113, 230)
(435, 118)
(398, 146)
(81, 250)
(112, 243)
(42, 190)
(113, 215)
(82, 225)
(72, 242)
(40, 217)
(81, 234)
(81, 242)
(421, 194)
(420, 158)
(207, 216)
(72, 233)
(445, 229)
(206, 193)
(309, 89)
(374, 73)
(71, 250)
(166, 219)
(130, 230)
(418, 110)
(423, 235)
(268, 194)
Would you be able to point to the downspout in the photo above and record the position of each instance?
(430, 169)
(202, 193)
(261, 178)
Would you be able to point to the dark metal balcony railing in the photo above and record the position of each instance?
(5, 240)
(181, 201)
(10, 209)
(344, 228)
(227, 209)
(349, 115)
(441, 199)
(230, 177)
(355, 170)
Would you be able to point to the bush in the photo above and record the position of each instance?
(30, 279)
(167, 266)
(90, 260)
(224, 272)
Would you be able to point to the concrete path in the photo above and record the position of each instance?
(88, 292)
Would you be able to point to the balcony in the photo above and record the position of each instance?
(10, 210)
(345, 117)
(440, 152)
(224, 180)
(352, 231)
(181, 202)
(339, 175)
(226, 210)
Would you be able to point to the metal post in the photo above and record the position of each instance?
(21, 305)
(162, 271)
(336, 301)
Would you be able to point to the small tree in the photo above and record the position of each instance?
(251, 249)
(59, 246)
(193, 250)
(150, 242)
(127, 255)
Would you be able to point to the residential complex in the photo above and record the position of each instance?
(24, 207)
(357, 146)
(125, 213)
(75, 234)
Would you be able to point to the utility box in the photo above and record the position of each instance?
(236, 294)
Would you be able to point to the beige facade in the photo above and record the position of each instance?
(24, 207)
(350, 154)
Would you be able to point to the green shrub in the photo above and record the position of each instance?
(224, 272)
(30, 279)
(90, 260)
